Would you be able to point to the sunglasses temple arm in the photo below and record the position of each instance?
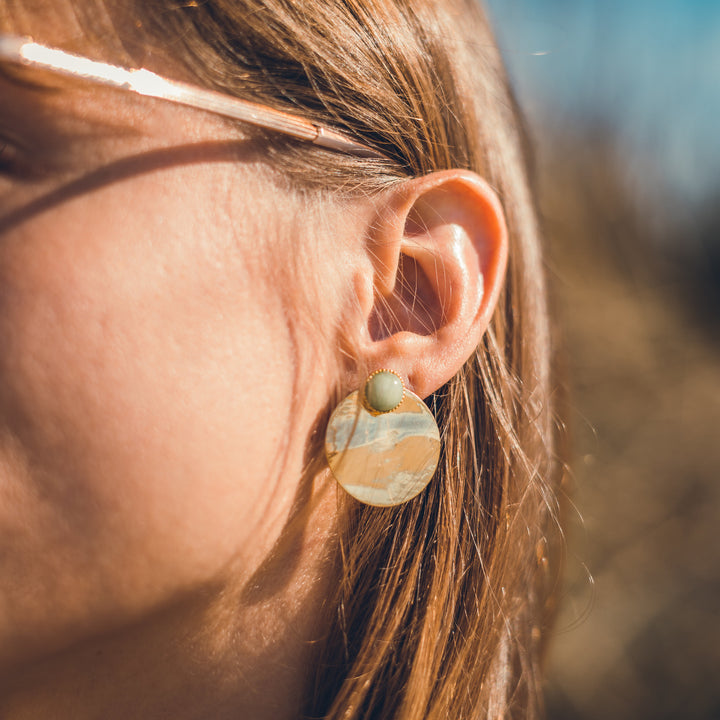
(144, 82)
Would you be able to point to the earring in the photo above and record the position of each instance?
(382, 442)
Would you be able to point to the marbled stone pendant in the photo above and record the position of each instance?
(382, 458)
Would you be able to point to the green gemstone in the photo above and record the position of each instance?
(384, 391)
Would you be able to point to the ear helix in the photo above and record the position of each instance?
(382, 443)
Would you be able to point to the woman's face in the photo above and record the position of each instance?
(151, 432)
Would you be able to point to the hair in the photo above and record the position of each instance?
(443, 604)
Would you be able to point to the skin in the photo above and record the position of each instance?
(164, 552)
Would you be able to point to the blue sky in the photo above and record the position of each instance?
(648, 68)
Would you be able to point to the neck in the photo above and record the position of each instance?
(220, 652)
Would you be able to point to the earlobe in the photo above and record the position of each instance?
(438, 250)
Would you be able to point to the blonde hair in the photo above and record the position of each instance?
(443, 603)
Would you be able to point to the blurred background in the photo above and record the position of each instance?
(623, 103)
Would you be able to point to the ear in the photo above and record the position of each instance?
(436, 256)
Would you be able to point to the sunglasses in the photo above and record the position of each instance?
(23, 51)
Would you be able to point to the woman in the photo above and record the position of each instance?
(185, 301)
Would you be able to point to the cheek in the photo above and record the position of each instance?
(145, 384)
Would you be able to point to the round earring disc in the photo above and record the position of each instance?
(383, 459)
